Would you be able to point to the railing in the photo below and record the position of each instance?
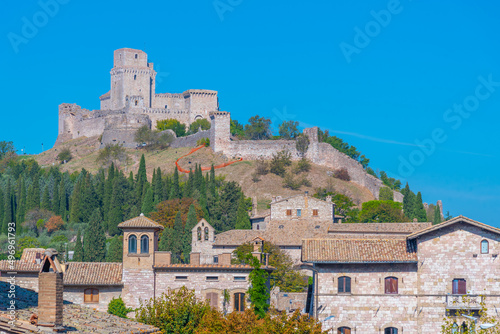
(463, 302)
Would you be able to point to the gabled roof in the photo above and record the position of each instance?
(140, 222)
(301, 195)
(358, 251)
(93, 273)
(459, 219)
(201, 222)
(27, 263)
(377, 228)
(30, 254)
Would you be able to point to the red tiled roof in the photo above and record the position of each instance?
(358, 251)
(27, 263)
(204, 266)
(93, 273)
(377, 228)
(141, 222)
(459, 219)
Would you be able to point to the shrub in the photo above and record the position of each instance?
(280, 161)
(112, 154)
(255, 177)
(386, 194)
(290, 182)
(202, 123)
(342, 174)
(172, 124)
(117, 307)
(203, 141)
(302, 144)
(261, 167)
(302, 166)
(64, 155)
(152, 139)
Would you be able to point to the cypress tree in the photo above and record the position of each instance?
(166, 188)
(408, 202)
(75, 213)
(78, 255)
(56, 199)
(21, 206)
(420, 213)
(188, 188)
(242, 219)
(211, 184)
(2, 204)
(115, 216)
(46, 205)
(165, 244)
(63, 201)
(177, 239)
(141, 177)
(8, 211)
(158, 187)
(175, 189)
(437, 215)
(115, 251)
(36, 191)
(187, 235)
(89, 200)
(94, 244)
(30, 201)
(108, 191)
(148, 204)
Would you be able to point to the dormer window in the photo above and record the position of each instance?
(144, 244)
(485, 247)
(132, 244)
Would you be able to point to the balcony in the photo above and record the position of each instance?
(463, 302)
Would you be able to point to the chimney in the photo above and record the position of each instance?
(194, 259)
(163, 258)
(50, 292)
(225, 259)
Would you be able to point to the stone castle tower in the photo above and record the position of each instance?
(132, 102)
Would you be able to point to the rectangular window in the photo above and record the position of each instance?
(391, 285)
(181, 278)
(212, 278)
(91, 296)
(212, 298)
(288, 212)
(239, 302)
(299, 212)
(216, 259)
(240, 278)
(459, 287)
(315, 213)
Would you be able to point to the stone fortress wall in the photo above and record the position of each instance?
(132, 103)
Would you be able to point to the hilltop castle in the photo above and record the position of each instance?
(131, 103)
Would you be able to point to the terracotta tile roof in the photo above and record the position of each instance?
(141, 221)
(279, 232)
(459, 219)
(27, 263)
(377, 228)
(93, 273)
(358, 251)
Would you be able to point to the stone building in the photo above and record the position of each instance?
(402, 278)
(131, 103)
(288, 222)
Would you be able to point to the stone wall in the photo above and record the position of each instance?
(191, 140)
(75, 294)
(24, 280)
(306, 204)
(198, 282)
(138, 284)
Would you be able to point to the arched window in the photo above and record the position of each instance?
(485, 247)
(459, 286)
(391, 285)
(91, 296)
(391, 330)
(344, 284)
(344, 330)
(199, 233)
(206, 233)
(135, 76)
(454, 328)
(136, 102)
(144, 244)
(132, 244)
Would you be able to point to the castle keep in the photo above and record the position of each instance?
(131, 103)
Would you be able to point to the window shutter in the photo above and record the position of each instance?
(454, 288)
(394, 285)
(347, 284)
(87, 296)
(95, 296)
(341, 284)
(387, 285)
(462, 287)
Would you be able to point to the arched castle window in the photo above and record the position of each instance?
(132, 244)
(136, 102)
(136, 56)
(135, 76)
(344, 330)
(144, 244)
(199, 233)
(391, 330)
(485, 247)
(206, 233)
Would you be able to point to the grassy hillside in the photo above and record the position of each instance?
(85, 151)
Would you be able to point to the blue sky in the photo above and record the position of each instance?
(414, 85)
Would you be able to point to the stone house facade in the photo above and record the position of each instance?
(389, 282)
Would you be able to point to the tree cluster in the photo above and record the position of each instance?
(413, 206)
